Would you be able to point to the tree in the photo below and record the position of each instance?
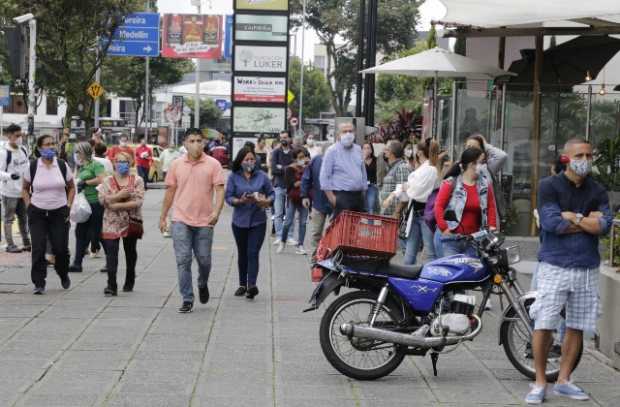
(316, 89)
(210, 114)
(337, 25)
(125, 76)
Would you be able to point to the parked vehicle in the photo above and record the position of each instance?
(390, 311)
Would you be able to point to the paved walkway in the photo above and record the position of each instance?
(78, 348)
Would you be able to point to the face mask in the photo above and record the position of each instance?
(19, 141)
(581, 167)
(123, 143)
(301, 162)
(122, 168)
(347, 139)
(48, 153)
(248, 166)
(408, 153)
(284, 143)
(194, 149)
(310, 142)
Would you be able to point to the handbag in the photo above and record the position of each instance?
(136, 227)
(403, 223)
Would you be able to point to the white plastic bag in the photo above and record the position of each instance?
(80, 211)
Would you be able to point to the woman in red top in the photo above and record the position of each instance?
(292, 178)
(465, 203)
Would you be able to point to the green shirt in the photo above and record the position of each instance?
(87, 172)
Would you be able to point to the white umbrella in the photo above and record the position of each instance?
(438, 63)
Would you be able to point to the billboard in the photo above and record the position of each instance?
(257, 89)
(250, 58)
(192, 36)
(273, 5)
(259, 119)
(261, 28)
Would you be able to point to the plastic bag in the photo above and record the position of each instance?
(80, 211)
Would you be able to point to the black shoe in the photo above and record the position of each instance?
(27, 248)
(128, 288)
(252, 292)
(103, 270)
(110, 292)
(13, 249)
(186, 308)
(75, 269)
(203, 293)
(65, 282)
(240, 291)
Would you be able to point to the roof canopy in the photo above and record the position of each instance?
(499, 13)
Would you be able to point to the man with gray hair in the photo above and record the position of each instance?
(397, 174)
(343, 173)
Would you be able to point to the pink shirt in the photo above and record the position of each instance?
(195, 182)
(49, 189)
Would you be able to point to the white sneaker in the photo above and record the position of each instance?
(280, 248)
(94, 255)
(276, 242)
(291, 242)
(166, 234)
(301, 250)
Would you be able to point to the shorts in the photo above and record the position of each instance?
(576, 289)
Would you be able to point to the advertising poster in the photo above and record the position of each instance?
(259, 119)
(274, 5)
(239, 142)
(250, 58)
(192, 36)
(257, 89)
(261, 28)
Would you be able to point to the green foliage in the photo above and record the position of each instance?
(209, 113)
(316, 89)
(607, 163)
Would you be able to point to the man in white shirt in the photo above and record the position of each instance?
(167, 157)
(100, 157)
(14, 164)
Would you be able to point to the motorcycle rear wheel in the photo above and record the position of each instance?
(333, 343)
(521, 357)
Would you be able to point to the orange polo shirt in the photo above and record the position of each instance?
(195, 182)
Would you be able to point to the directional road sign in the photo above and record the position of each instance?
(138, 36)
(5, 97)
(95, 90)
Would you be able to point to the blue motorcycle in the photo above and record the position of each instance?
(390, 311)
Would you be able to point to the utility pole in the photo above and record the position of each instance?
(371, 58)
(98, 80)
(301, 82)
(360, 60)
(147, 98)
(198, 4)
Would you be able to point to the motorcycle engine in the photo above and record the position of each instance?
(456, 320)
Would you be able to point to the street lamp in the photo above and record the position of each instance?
(32, 64)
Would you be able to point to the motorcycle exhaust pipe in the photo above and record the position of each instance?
(419, 341)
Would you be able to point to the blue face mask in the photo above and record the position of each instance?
(48, 153)
(122, 168)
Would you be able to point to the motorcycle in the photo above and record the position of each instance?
(391, 311)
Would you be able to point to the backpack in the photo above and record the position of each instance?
(62, 165)
(9, 156)
(429, 209)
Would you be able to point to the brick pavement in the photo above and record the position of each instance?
(78, 348)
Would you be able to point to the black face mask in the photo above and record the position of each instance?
(284, 143)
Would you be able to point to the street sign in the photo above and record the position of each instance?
(5, 97)
(138, 35)
(290, 96)
(223, 104)
(95, 90)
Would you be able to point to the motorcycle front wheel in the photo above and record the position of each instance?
(517, 344)
(357, 358)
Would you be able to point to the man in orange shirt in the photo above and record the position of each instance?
(144, 157)
(192, 182)
(122, 147)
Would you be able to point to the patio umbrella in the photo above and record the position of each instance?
(438, 63)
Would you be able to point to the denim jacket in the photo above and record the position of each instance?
(456, 206)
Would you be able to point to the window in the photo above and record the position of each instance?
(52, 106)
(17, 105)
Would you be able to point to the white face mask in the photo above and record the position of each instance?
(347, 139)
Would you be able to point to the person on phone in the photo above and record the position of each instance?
(250, 193)
(293, 176)
(48, 191)
(122, 195)
(465, 204)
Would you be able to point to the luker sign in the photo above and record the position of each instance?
(260, 59)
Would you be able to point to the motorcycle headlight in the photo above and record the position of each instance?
(511, 255)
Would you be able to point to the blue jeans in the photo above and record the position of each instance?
(420, 232)
(291, 208)
(371, 198)
(249, 242)
(438, 244)
(279, 207)
(452, 246)
(143, 172)
(190, 240)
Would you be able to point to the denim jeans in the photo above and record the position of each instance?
(438, 244)
(190, 240)
(452, 246)
(291, 208)
(279, 207)
(419, 233)
(372, 195)
(143, 172)
(249, 242)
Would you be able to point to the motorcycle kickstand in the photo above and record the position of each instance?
(434, 359)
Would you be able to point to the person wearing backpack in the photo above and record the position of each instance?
(13, 164)
(48, 193)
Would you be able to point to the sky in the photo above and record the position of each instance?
(430, 10)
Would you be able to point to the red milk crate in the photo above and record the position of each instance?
(360, 234)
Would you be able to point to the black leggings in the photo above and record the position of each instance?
(52, 226)
(86, 232)
(111, 256)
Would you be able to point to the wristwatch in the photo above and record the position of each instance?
(578, 218)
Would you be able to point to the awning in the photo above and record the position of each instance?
(499, 13)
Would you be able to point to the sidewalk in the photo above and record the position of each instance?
(78, 348)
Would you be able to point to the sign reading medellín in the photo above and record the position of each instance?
(275, 5)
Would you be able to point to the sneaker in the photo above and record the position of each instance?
(536, 394)
(203, 294)
(240, 291)
(292, 242)
(277, 242)
(280, 248)
(571, 391)
(95, 255)
(166, 234)
(13, 249)
(251, 293)
(110, 292)
(300, 250)
(38, 291)
(65, 282)
(187, 307)
(75, 269)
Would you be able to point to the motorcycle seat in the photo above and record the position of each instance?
(395, 270)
